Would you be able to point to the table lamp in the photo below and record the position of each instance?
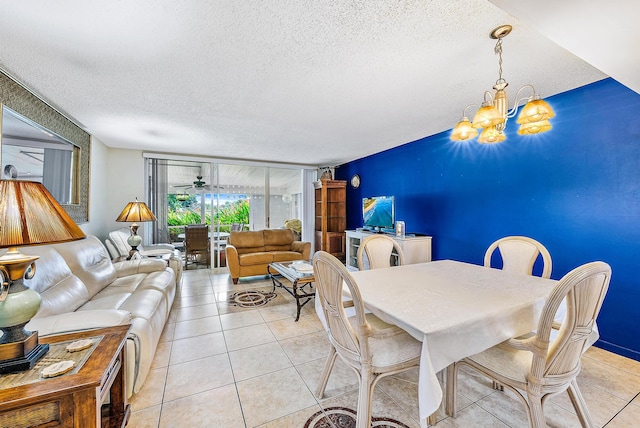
(135, 212)
(29, 215)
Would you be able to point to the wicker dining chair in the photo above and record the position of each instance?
(519, 254)
(368, 345)
(537, 367)
(378, 250)
(197, 245)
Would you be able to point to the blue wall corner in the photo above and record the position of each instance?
(575, 188)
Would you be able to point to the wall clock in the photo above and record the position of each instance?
(355, 181)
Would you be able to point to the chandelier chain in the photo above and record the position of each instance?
(498, 51)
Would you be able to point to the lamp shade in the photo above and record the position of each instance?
(463, 131)
(136, 212)
(534, 127)
(535, 110)
(30, 215)
(491, 135)
(487, 116)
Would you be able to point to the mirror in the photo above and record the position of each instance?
(31, 152)
(41, 115)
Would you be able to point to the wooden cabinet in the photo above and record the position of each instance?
(331, 216)
(416, 249)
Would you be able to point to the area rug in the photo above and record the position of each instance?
(251, 299)
(341, 417)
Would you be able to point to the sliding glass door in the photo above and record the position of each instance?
(226, 196)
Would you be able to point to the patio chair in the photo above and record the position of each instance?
(519, 254)
(197, 245)
(538, 366)
(371, 347)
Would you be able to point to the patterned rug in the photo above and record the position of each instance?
(251, 299)
(341, 417)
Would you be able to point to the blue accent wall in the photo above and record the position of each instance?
(575, 188)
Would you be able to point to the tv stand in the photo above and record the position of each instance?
(416, 249)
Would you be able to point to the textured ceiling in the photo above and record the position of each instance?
(316, 82)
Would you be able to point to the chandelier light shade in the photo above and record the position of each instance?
(493, 114)
(29, 215)
(135, 212)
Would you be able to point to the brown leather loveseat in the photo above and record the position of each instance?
(250, 252)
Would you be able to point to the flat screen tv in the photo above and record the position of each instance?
(378, 212)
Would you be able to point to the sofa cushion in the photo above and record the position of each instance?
(61, 290)
(278, 239)
(88, 260)
(260, 258)
(247, 241)
(283, 256)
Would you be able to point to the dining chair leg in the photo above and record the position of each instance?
(365, 397)
(536, 412)
(326, 371)
(579, 405)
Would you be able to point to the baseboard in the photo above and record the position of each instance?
(620, 350)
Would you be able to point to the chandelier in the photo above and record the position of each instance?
(494, 112)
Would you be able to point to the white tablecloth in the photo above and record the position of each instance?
(456, 309)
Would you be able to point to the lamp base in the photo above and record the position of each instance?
(22, 354)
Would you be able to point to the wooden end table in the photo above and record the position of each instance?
(78, 399)
(300, 280)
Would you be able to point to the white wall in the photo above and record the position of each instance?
(125, 169)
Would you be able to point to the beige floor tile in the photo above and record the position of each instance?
(615, 381)
(305, 348)
(246, 337)
(163, 353)
(612, 359)
(145, 418)
(272, 396)
(197, 347)
(343, 379)
(167, 333)
(258, 360)
(188, 301)
(197, 327)
(602, 405)
(471, 417)
(152, 390)
(297, 419)
(196, 290)
(473, 385)
(288, 328)
(195, 312)
(217, 407)
(627, 418)
(240, 319)
(197, 376)
(271, 313)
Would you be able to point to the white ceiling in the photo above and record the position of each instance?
(316, 82)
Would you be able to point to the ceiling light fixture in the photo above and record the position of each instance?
(494, 112)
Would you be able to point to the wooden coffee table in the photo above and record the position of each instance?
(301, 281)
(78, 399)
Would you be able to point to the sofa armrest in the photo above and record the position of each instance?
(302, 247)
(141, 265)
(233, 262)
(78, 321)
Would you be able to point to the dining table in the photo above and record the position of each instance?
(455, 309)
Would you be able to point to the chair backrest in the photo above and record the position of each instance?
(237, 226)
(196, 237)
(350, 340)
(584, 289)
(378, 249)
(519, 254)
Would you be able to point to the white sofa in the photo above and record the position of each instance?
(82, 288)
(119, 248)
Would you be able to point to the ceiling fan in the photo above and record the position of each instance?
(198, 186)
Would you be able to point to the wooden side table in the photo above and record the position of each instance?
(95, 396)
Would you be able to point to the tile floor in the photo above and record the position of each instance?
(222, 366)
